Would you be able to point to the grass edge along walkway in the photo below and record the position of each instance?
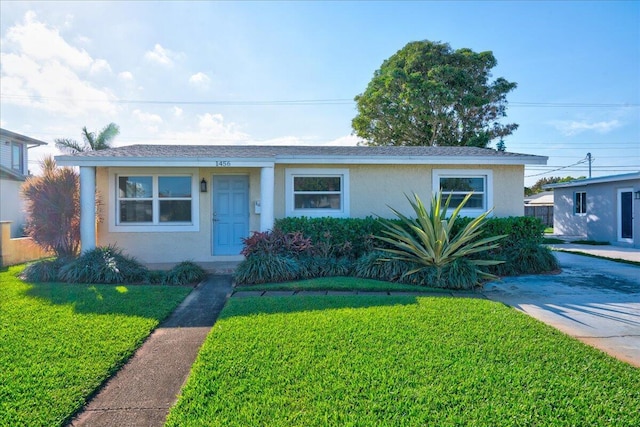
(60, 342)
(398, 360)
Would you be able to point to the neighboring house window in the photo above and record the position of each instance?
(580, 202)
(317, 192)
(17, 157)
(459, 183)
(156, 200)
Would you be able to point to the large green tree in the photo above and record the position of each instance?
(429, 94)
(92, 141)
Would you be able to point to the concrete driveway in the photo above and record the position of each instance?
(594, 300)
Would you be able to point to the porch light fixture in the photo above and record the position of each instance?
(203, 186)
(637, 195)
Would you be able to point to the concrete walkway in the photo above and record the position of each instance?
(142, 392)
(594, 300)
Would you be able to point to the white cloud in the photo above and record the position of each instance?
(126, 76)
(572, 127)
(42, 43)
(162, 55)
(200, 80)
(213, 126)
(177, 111)
(208, 129)
(80, 39)
(149, 120)
(348, 140)
(41, 70)
(100, 65)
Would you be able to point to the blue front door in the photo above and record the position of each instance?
(230, 213)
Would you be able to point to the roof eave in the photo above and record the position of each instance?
(161, 162)
(67, 160)
(21, 138)
(589, 181)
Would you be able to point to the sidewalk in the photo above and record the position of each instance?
(604, 251)
(142, 392)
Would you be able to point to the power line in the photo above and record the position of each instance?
(328, 101)
(554, 170)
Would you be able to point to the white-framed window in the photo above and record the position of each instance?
(580, 203)
(17, 157)
(317, 192)
(457, 183)
(154, 202)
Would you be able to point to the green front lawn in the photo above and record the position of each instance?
(339, 284)
(399, 361)
(59, 342)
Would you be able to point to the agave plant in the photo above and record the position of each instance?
(427, 239)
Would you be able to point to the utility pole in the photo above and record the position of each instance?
(590, 160)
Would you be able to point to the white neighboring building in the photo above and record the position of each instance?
(14, 160)
(603, 209)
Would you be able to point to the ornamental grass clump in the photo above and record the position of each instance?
(184, 273)
(266, 268)
(107, 264)
(428, 241)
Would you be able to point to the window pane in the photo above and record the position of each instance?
(135, 187)
(462, 184)
(175, 211)
(174, 186)
(136, 211)
(317, 201)
(316, 183)
(581, 203)
(16, 157)
(476, 201)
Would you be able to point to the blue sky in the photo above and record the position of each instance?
(287, 72)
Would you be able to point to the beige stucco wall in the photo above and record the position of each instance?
(172, 247)
(373, 188)
(18, 250)
(508, 194)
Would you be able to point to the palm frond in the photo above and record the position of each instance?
(69, 145)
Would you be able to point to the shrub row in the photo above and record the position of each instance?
(525, 258)
(109, 265)
(353, 237)
(299, 248)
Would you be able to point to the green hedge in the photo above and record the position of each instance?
(517, 229)
(346, 237)
(352, 237)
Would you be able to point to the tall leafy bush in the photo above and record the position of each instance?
(53, 209)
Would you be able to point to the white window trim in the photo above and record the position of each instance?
(575, 204)
(487, 174)
(116, 227)
(290, 210)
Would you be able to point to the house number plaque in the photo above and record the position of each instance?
(222, 163)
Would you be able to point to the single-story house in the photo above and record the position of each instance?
(540, 206)
(604, 209)
(165, 203)
(14, 169)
